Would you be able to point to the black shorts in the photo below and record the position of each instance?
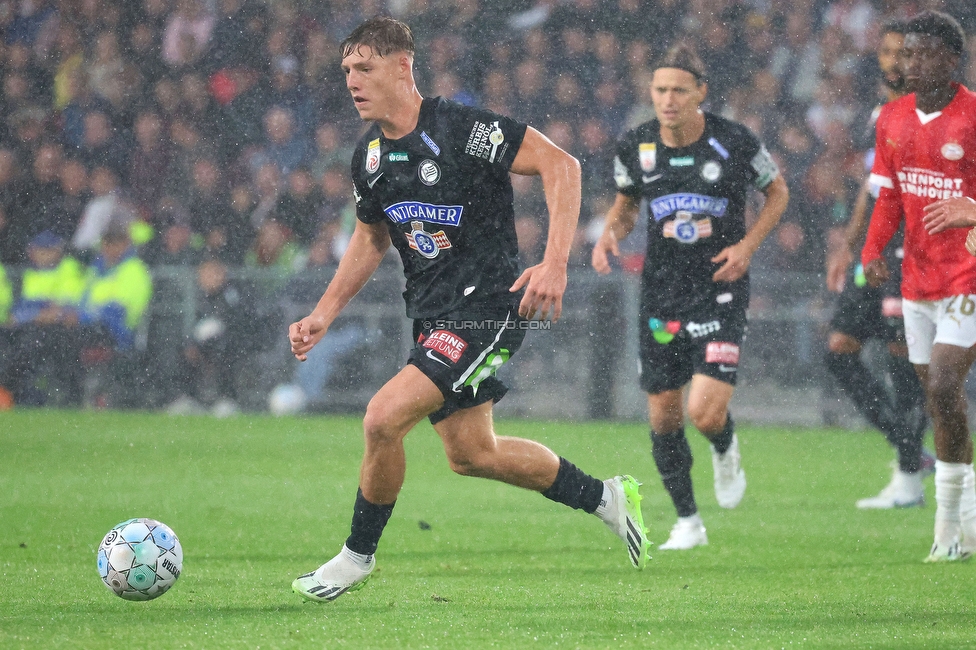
(864, 312)
(461, 353)
(672, 351)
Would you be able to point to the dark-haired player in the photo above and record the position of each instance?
(924, 154)
(865, 312)
(431, 177)
(694, 169)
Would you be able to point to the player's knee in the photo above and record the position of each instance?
(469, 464)
(379, 424)
(943, 392)
(707, 419)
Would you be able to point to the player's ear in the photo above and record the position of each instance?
(702, 91)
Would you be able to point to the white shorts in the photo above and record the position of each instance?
(951, 321)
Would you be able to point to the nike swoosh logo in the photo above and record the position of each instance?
(646, 179)
(430, 355)
(728, 368)
(371, 182)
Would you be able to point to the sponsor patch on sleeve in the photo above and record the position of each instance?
(719, 352)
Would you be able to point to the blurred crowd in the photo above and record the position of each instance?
(218, 133)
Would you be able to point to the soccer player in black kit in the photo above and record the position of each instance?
(431, 177)
(864, 312)
(694, 170)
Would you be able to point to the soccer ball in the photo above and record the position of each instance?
(140, 559)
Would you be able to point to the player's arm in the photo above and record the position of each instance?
(368, 244)
(959, 212)
(735, 259)
(620, 221)
(885, 219)
(841, 259)
(545, 282)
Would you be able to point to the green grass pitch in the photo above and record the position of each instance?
(258, 500)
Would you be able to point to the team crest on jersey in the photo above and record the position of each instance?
(687, 230)
(711, 171)
(429, 172)
(647, 153)
(952, 151)
(373, 156)
(428, 244)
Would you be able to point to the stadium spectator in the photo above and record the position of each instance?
(221, 338)
(106, 205)
(43, 364)
(186, 35)
(149, 162)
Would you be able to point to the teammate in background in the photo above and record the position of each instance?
(694, 169)
(923, 153)
(432, 177)
(864, 312)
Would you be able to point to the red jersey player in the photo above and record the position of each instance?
(925, 149)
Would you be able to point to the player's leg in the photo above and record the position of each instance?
(955, 522)
(397, 407)
(674, 460)
(473, 449)
(708, 409)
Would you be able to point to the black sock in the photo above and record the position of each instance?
(672, 455)
(723, 440)
(867, 393)
(910, 402)
(575, 488)
(368, 522)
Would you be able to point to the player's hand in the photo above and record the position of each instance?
(605, 246)
(735, 262)
(545, 285)
(959, 212)
(837, 265)
(304, 334)
(971, 242)
(876, 272)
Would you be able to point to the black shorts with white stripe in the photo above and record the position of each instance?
(461, 352)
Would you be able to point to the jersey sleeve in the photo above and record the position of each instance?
(489, 139)
(886, 216)
(367, 210)
(624, 172)
(762, 169)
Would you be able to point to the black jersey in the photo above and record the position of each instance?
(445, 194)
(696, 199)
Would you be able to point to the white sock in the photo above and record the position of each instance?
(364, 562)
(606, 507)
(695, 519)
(967, 508)
(949, 479)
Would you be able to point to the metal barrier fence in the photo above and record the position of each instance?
(583, 367)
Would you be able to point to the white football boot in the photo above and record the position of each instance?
(334, 578)
(688, 533)
(904, 491)
(730, 479)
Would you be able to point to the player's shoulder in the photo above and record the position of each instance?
(904, 105)
(722, 126)
(645, 132)
(966, 95)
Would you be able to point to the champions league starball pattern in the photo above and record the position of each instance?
(140, 559)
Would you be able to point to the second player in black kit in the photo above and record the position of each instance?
(691, 171)
(696, 201)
